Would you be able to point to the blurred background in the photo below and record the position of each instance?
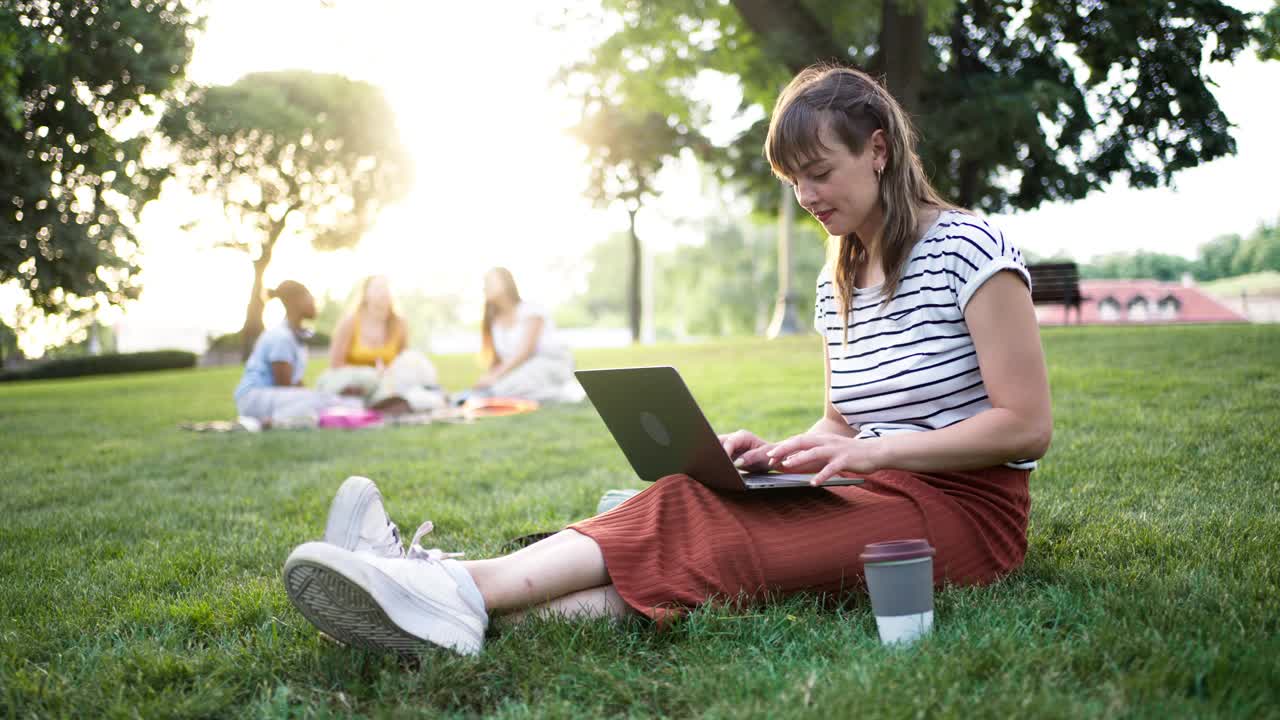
(164, 161)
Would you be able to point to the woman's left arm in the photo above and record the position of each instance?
(1019, 425)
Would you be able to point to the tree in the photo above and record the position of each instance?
(625, 152)
(1218, 256)
(602, 302)
(74, 77)
(1269, 34)
(1017, 104)
(715, 288)
(318, 155)
(1260, 251)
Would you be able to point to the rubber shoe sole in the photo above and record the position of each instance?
(334, 589)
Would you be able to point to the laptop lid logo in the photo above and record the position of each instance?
(654, 427)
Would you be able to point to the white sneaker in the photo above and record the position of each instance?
(379, 603)
(358, 521)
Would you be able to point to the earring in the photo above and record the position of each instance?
(879, 174)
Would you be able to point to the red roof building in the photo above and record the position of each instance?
(1113, 302)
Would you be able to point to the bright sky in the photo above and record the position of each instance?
(499, 181)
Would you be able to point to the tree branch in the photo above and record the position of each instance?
(790, 32)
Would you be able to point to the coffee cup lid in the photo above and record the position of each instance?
(891, 550)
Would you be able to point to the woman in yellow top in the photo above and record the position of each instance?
(369, 355)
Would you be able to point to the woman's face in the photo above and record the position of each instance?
(494, 289)
(377, 294)
(840, 188)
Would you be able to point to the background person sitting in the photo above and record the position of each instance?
(271, 392)
(369, 359)
(519, 347)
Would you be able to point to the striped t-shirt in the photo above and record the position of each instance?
(911, 366)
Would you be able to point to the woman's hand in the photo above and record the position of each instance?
(824, 454)
(746, 450)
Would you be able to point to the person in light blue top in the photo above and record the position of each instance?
(271, 392)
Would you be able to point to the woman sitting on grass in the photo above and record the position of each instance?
(270, 393)
(522, 355)
(369, 357)
(936, 394)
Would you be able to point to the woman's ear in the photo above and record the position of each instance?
(879, 148)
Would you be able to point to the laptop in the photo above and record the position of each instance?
(662, 431)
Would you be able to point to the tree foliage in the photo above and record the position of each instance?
(318, 155)
(76, 80)
(1224, 256)
(626, 149)
(1017, 103)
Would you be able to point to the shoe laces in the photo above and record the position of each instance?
(416, 551)
(390, 542)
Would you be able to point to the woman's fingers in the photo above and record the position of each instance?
(734, 443)
(794, 444)
(804, 457)
(831, 469)
(755, 457)
(737, 443)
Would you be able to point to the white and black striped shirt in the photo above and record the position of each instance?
(911, 366)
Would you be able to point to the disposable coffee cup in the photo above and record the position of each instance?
(900, 581)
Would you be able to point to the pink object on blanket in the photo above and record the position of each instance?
(349, 418)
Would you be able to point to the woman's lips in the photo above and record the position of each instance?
(824, 215)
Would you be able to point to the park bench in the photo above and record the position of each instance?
(1057, 283)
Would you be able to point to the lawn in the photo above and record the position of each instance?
(140, 564)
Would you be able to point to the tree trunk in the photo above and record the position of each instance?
(784, 311)
(633, 288)
(253, 326)
(792, 34)
(902, 45)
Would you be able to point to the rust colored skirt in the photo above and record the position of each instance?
(680, 544)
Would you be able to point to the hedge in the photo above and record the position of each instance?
(231, 341)
(103, 365)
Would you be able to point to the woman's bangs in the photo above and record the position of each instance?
(794, 139)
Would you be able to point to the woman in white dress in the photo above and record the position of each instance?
(523, 356)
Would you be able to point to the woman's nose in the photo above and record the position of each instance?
(805, 195)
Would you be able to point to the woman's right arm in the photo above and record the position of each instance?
(340, 343)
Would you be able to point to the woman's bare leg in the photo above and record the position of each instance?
(597, 602)
(560, 565)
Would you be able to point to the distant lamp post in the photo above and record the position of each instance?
(784, 309)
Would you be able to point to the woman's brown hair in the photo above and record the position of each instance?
(487, 353)
(853, 106)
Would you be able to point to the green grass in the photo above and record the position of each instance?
(1259, 283)
(139, 564)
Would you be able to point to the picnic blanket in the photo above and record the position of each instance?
(345, 418)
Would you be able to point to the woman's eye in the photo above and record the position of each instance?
(822, 175)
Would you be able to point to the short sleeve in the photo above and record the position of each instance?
(278, 348)
(974, 252)
(525, 310)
